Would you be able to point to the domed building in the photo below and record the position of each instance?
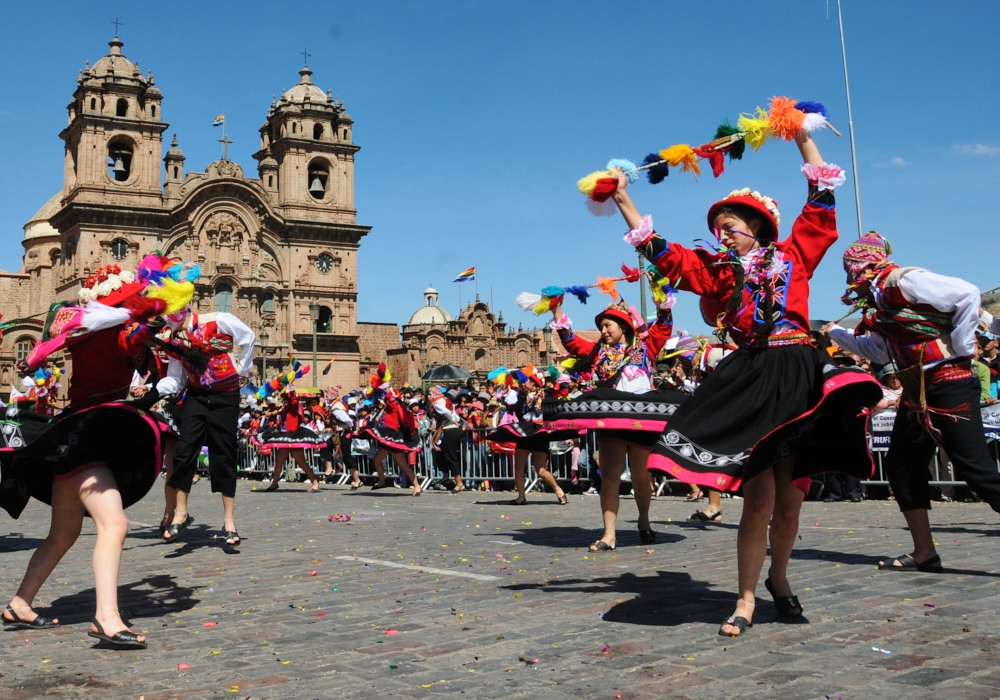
(430, 313)
(273, 249)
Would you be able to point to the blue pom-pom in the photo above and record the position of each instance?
(626, 166)
(812, 108)
(496, 373)
(579, 292)
(552, 292)
(657, 173)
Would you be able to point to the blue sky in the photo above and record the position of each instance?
(476, 119)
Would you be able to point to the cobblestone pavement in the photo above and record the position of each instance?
(462, 594)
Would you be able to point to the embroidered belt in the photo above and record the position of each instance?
(231, 383)
(950, 371)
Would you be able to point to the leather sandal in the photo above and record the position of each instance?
(647, 536)
(39, 623)
(515, 502)
(786, 605)
(703, 517)
(908, 563)
(176, 529)
(126, 639)
(232, 538)
(737, 621)
(602, 546)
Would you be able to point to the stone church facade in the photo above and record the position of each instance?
(269, 245)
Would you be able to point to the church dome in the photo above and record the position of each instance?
(305, 87)
(38, 225)
(116, 65)
(430, 312)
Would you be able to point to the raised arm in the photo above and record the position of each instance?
(662, 330)
(575, 345)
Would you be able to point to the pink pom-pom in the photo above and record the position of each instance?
(641, 233)
(562, 324)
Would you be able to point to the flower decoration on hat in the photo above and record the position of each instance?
(104, 282)
(785, 119)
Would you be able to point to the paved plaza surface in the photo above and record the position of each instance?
(462, 594)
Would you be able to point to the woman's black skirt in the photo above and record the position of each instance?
(303, 438)
(121, 437)
(393, 440)
(760, 406)
(634, 419)
(530, 436)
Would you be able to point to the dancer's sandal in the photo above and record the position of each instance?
(126, 639)
(515, 502)
(232, 538)
(314, 488)
(908, 563)
(703, 517)
(786, 605)
(272, 487)
(376, 487)
(647, 536)
(459, 489)
(737, 621)
(694, 499)
(355, 487)
(563, 500)
(602, 546)
(39, 623)
(176, 529)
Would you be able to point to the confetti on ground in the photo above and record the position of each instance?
(211, 624)
(881, 650)
(183, 667)
(389, 633)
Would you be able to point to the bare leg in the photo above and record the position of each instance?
(404, 468)
(355, 478)
(64, 529)
(751, 541)
(180, 511)
(612, 462)
(300, 458)
(541, 462)
(280, 457)
(229, 514)
(169, 494)
(642, 483)
(100, 496)
(520, 467)
(920, 530)
(379, 469)
(784, 524)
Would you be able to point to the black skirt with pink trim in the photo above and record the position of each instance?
(117, 435)
(393, 440)
(760, 406)
(528, 435)
(635, 419)
(301, 439)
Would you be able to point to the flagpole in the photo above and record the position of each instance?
(475, 278)
(459, 300)
(850, 122)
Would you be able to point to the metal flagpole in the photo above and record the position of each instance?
(642, 285)
(850, 122)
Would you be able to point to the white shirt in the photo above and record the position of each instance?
(993, 324)
(946, 294)
(441, 408)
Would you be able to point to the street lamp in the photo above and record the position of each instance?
(314, 312)
(423, 365)
(547, 337)
(264, 337)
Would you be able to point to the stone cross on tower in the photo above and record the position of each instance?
(305, 56)
(225, 146)
(117, 24)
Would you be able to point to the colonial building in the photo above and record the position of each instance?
(274, 249)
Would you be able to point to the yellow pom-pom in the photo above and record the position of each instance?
(543, 306)
(387, 377)
(568, 364)
(176, 294)
(683, 156)
(757, 128)
(589, 182)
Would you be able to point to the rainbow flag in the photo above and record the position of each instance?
(220, 120)
(326, 370)
(466, 276)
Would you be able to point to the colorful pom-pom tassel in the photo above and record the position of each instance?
(756, 127)
(785, 121)
(605, 208)
(683, 156)
(812, 108)
(604, 188)
(552, 291)
(735, 151)
(625, 167)
(527, 300)
(715, 157)
(658, 172)
(579, 292)
(587, 183)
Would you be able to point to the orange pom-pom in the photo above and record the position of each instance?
(682, 155)
(786, 121)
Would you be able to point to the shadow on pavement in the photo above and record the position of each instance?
(666, 599)
(853, 558)
(153, 596)
(16, 542)
(568, 536)
(197, 537)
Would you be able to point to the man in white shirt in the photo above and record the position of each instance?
(925, 324)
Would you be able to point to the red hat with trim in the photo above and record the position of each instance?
(761, 204)
(111, 286)
(621, 316)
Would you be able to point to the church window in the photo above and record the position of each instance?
(121, 110)
(267, 304)
(175, 172)
(295, 127)
(270, 180)
(152, 111)
(119, 249)
(23, 347)
(324, 325)
(93, 104)
(224, 298)
(119, 160)
(318, 132)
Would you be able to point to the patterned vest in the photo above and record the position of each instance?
(216, 348)
(915, 333)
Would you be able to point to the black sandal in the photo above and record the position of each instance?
(786, 605)
(39, 623)
(126, 639)
(703, 517)
(736, 621)
(563, 500)
(647, 536)
(377, 487)
(232, 537)
(515, 502)
(272, 487)
(176, 529)
(908, 563)
(602, 546)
